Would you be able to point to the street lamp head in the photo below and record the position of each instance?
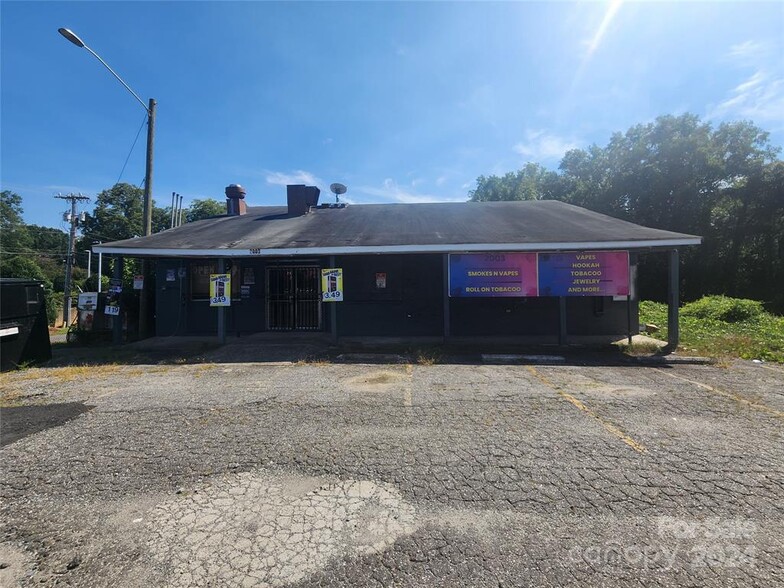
(71, 36)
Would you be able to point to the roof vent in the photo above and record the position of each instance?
(235, 200)
(300, 198)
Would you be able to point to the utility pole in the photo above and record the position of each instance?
(73, 219)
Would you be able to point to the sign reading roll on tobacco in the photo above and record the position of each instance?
(584, 273)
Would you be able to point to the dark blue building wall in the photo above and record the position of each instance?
(410, 304)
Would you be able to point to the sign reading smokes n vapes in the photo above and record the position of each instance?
(332, 284)
(220, 289)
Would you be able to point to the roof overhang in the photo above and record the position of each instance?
(380, 249)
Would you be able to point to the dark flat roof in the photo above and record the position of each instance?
(367, 228)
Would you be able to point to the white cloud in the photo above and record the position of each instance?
(748, 50)
(297, 177)
(391, 191)
(759, 96)
(539, 145)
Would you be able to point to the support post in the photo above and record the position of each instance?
(117, 321)
(145, 291)
(673, 301)
(69, 260)
(562, 320)
(222, 309)
(148, 169)
(100, 271)
(69, 267)
(447, 318)
(143, 300)
(333, 309)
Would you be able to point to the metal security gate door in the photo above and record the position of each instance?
(293, 298)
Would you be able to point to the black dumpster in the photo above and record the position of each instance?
(24, 334)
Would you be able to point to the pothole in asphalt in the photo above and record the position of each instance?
(260, 530)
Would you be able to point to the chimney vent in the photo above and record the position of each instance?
(235, 200)
(300, 198)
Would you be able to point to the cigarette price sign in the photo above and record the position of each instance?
(220, 289)
(332, 284)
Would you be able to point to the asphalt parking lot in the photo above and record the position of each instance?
(327, 474)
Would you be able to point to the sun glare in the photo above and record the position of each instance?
(612, 10)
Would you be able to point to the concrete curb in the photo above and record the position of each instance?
(672, 360)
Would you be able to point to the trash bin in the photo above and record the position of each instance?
(24, 332)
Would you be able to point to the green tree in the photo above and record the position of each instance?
(117, 215)
(13, 231)
(533, 182)
(202, 208)
(48, 239)
(681, 174)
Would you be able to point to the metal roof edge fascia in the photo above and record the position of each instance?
(366, 249)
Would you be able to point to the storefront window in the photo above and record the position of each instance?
(200, 279)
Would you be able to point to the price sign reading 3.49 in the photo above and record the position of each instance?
(220, 289)
(332, 284)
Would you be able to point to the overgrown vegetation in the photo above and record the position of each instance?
(679, 173)
(723, 327)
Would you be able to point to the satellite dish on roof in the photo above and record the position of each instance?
(337, 190)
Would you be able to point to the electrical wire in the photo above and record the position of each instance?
(131, 151)
(37, 253)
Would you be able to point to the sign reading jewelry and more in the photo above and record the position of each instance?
(332, 284)
(492, 274)
(220, 289)
(584, 273)
(576, 273)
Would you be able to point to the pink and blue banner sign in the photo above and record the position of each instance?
(578, 273)
(584, 273)
(492, 274)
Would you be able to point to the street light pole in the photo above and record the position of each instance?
(150, 110)
(74, 38)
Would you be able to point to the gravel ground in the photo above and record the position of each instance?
(322, 474)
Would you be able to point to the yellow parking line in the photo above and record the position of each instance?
(611, 428)
(407, 392)
(732, 395)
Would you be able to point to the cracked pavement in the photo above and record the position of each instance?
(318, 474)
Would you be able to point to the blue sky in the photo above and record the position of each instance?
(402, 102)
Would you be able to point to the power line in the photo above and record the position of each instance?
(131, 151)
(35, 252)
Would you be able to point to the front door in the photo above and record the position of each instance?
(293, 298)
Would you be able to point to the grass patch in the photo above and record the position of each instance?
(722, 327)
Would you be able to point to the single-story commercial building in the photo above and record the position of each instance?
(533, 271)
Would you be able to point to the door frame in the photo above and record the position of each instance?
(294, 299)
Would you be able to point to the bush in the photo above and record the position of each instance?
(724, 308)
